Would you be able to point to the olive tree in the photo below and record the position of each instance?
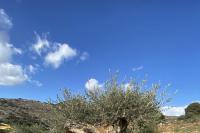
(134, 103)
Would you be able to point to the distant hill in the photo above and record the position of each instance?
(23, 111)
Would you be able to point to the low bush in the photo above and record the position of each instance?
(192, 113)
(34, 128)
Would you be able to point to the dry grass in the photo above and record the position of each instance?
(5, 126)
(180, 126)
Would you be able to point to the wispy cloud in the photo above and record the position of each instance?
(5, 21)
(32, 69)
(84, 56)
(35, 82)
(41, 44)
(137, 68)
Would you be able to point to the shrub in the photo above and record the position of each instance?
(182, 117)
(136, 103)
(193, 110)
(34, 128)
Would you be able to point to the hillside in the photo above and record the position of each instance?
(23, 111)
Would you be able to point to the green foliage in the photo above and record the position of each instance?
(192, 113)
(192, 110)
(138, 104)
(25, 123)
(4, 131)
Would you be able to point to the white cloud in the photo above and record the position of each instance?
(5, 21)
(137, 68)
(41, 44)
(11, 74)
(6, 49)
(127, 86)
(173, 111)
(92, 84)
(84, 56)
(62, 52)
(55, 53)
(5, 25)
(6, 52)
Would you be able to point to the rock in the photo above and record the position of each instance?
(119, 127)
(82, 128)
(5, 127)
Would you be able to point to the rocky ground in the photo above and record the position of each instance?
(179, 126)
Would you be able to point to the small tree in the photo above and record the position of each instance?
(132, 103)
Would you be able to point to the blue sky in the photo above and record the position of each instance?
(48, 45)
